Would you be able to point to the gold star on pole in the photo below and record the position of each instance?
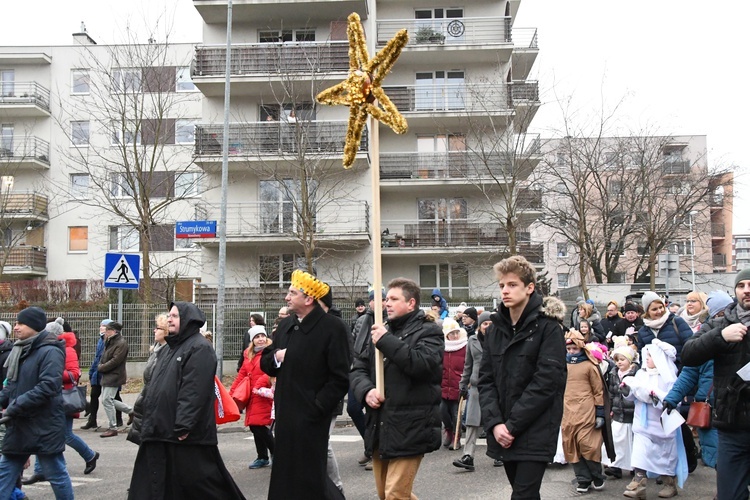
(362, 89)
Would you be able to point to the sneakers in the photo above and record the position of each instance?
(465, 462)
(598, 484)
(259, 463)
(497, 463)
(91, 464)
(583, 487)
(614, 472)
(89, 425)
(368, 465)
(108, 433)
(670, 487)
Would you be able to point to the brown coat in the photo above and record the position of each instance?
(584, 391)
(112, 364)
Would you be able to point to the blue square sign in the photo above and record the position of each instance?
(122, 270)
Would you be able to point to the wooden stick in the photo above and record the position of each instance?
(457, 435)
(377, 279)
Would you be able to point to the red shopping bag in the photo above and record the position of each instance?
(224, 406)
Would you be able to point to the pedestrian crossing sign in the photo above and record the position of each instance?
(122, 270)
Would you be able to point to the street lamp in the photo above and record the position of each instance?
(692, 247)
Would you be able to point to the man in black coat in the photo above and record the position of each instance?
(32, 403)
(179, 455)
(725, 340)
(631, 319)
(405, 424)
(310, 359)
(522, 378)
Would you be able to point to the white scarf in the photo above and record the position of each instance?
(693, 320)
(656, 324)
(454, 345)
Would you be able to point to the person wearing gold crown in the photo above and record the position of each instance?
(310, 359)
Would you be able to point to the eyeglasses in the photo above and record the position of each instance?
(693, 300)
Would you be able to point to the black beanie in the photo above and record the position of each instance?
(327, 299)
(359, 302)
(33, 317)
(471, 312)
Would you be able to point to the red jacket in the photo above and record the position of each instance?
(258, 411)
(453, 368)
(71, 362)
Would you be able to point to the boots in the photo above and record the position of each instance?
(638, 490)
(670, 487)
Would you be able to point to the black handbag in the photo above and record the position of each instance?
(74, 399)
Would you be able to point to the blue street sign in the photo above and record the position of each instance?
(122, 270)
(195, 229)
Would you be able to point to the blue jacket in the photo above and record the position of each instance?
(692, 377)
(667, 334)
(441, 302)
(94, 375)
(34, 400)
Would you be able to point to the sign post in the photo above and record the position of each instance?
(121, 271)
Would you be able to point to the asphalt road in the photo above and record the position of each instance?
(437, 478)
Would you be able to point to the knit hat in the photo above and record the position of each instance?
(33, 317)
(450, 325)
(55, 327)
(718, 300)
(114, 325)
(5, 330)
(105, 322)
(359, 302)
(371, 295)
(648, 298)
(485, 316)
(624, 351)
(257, 329)
(742, 276)
(471, 312)
(590, 301)
(629, 306)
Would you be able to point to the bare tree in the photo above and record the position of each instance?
(135, 144)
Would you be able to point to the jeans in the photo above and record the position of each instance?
(733, 465)
(354, 409)
(110, 404)
(53, 467)
(525, 478)
(78, 444)
(93, 408)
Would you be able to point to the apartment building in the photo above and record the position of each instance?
(740, 252)
(608, 172)
(86, 131)
(454, 190)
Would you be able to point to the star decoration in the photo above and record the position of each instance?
(362, 89)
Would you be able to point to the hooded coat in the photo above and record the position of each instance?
(180, 402)
(34, 400)
(72, 369)
(310, 383)
(522, 379)
(258, 410)
(437, 298)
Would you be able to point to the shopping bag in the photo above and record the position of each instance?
(241, 393)
(224, 406)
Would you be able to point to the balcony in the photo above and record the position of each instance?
(24, 99)
(443, 167)
(261, 222)
(253, 63)
(26, 261)
(718, 230)
(675, 167)
(720, 260)
(269, 140)
(294, 12)
(31, 152)
(29, 206)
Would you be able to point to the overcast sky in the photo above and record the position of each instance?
(675, 64)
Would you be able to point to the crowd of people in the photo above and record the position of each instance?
(606, 393)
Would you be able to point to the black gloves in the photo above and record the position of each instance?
(669, 407)
(624, 389)
(464, 393)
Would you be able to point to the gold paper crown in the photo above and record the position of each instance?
(309, 284)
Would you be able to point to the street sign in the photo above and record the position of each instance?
(195, 229)
(122, 270)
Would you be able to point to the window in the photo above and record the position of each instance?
(562, 280)
(615, 187)
(120, 186)
(184, 132)
(278, 201)
(125, 133)
(7, 82)
(126, 80)
(79, 133)
(79, 81)
(562, 249)
(78, 239)
(159, 79)
(123, 238)
(275, 36)
(79, 186)
(161, 131)
(186, 185)
(276, 270)
(680, 247)
(159, 184)
(618, 278)
(184, 82)
(452, 279)
(7, 134)
(6, 183)
(442, 209)
(185, 244)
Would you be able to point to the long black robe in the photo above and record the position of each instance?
(311, 381)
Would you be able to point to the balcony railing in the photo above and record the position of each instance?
(529, 199)
(675, 167)
(483, 97)
(524, 91)
(23, 150)
(263, 58)
(26, 258)
(525, 38)
(463, 31)
(29, 204)
(447, 233)
(273, 138)
(19, 93)
(718, 229)
(446, 165)
(720, 260)
(280, 218)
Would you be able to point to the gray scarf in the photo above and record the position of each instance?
(19, 348)
(742, 314)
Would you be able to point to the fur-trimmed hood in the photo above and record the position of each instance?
(554, 308)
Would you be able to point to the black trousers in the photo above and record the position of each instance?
(93, 407)
(525, 478)
(263, 440)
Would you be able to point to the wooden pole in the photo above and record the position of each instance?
(457, 435)
(377, 275)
